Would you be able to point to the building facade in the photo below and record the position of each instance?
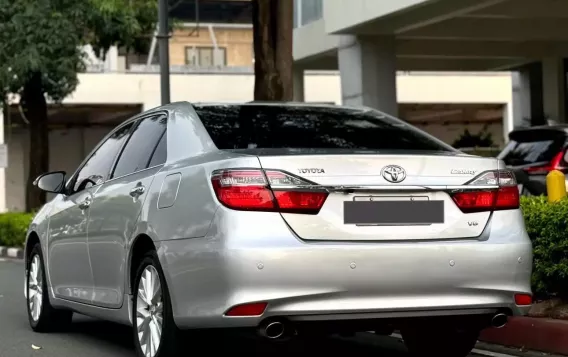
(368, 41)
(212, 61)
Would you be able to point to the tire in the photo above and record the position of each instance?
(149, 315)
(42, 316)
(443, 342)
(526, 192)
(534, 189)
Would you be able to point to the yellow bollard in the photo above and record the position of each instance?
(555, 185)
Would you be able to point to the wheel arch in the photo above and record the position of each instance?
(140, 246)
(31, 241)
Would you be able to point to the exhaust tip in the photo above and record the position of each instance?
(499, 320)
(274, 330)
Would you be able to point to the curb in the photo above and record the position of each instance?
(15, 253)
(489, 349)
(528, 333)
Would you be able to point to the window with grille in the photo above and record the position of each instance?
(205, 56)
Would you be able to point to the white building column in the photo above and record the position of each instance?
(554, 89)
(367, 66)
(521, 111)
(298, 83)
(111, 60)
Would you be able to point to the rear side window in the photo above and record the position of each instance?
(304, 127)
(532, 146)
(160, 154)
(140, 147)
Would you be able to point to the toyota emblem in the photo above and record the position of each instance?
(393, 173)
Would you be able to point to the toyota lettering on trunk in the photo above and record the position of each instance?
(311, 171)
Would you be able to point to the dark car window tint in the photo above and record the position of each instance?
(99, 164)
(305, 127)
(532, 146)
(139, 148)
(160, 154)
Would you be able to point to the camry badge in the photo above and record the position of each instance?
(462, 172)
(393, 173)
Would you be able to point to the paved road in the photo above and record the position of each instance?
(93, 338)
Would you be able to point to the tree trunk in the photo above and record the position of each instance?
(272, 29)
(34, 107)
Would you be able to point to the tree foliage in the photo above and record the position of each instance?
(484, 138)
(41, 54)
(45, 36)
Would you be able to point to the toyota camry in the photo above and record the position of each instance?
(288, 219)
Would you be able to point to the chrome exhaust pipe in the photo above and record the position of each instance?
(273, 330)
(499, 320)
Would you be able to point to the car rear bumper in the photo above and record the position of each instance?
(334, 281)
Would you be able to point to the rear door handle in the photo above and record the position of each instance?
(137, 191)
(85, 204)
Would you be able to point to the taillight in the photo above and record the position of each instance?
(502, 198)
(554, 164)
(266, 190)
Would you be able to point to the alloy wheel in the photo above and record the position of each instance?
(35, 288)
(149, 311)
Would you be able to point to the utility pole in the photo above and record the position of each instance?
(163, 42)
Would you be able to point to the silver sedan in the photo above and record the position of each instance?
(290, 219)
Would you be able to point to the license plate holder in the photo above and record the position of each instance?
(393, 212)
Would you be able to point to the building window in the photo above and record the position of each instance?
(307, 11)
(205, 56)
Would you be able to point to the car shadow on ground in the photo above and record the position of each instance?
(232, 342)
(98, 331)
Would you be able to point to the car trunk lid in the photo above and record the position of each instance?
(359, 184)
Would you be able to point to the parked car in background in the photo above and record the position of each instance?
(533, 152)
(288, 219)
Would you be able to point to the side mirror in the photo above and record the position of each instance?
(53, 182)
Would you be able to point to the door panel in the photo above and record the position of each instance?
(116, 209)
(113, 219)
(69, 268)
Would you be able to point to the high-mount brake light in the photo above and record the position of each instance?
(266, 190)
(506, 196)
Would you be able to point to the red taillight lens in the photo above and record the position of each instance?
(292, 201)
(271, 190)
(243, 190)
(555, 164)
(475, 201)
(523, 299)
(505, 197)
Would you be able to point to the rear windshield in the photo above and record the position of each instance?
(525, 148)
(303, 127)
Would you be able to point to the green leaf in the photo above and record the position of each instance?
(547, 227)
(47, 36)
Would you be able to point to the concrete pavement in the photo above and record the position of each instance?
(92, 338)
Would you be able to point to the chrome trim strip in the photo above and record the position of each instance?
(396, 314)
(385, 188)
